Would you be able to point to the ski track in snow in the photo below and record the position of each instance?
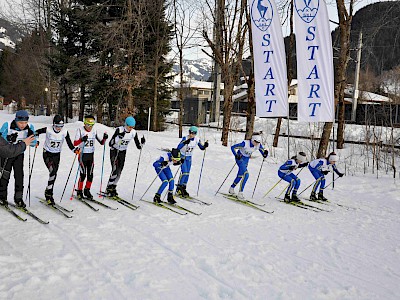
(229, 252)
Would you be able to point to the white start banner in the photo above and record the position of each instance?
(271, 88)
(314, 62)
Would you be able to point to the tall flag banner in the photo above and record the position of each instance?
(271, 89)
(315, 77)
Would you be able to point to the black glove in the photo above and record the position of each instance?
(76, 150)
(105, 136)
(164, 163)
(291, 168)
(205, 144)
(340, 174)
(186, 142)
(142, 140)
(37, 143)
(265, 153)
(182, 160)
(36, 133)
(121, 134)
(84, 138)
(325, 172)
(238, 156)
(30, 132)
(12, 138)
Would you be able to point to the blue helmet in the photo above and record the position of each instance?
(21, 115)
(193, 129)
(130, 121)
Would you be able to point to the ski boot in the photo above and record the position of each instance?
(111, 191)
(79, 194)
(240, 196)
(184, 191)
(313, 197)
(87, 194)
(3, 202)
(295, 198)
(231, 191)
(19, 203)
(179, 190)
(287, 198)
(321, 196)
(49, 197)
(170, 198)
(157, 198)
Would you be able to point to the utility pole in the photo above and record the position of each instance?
(356, 79)
(215, 111)
(48, 35)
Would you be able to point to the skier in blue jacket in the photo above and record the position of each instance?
(319, 168)
(242, 152)
(163, 170)
(286, 173)
(15, 132)
(186, 147)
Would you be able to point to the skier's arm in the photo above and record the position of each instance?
(202, 146)
(114, 136)
(41, 130)
(305, 164)
(69, 142)
(4, 130)
(10, 150)
(79, 139)
(288, 166)
(233, 148)
(337, 171)
(137, 143)
(181, 143)
(264, 152)
(103, 141)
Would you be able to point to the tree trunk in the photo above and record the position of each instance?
(155, 96)
(251, 107)
(100, 112)
(82, 103)
(181, 106)
(228, 104)
(324, 142)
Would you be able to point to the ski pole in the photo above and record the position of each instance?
(201, 171)
(265, 195)
(332, 181)
(152, 183)
(224, 180)
(257, 178)
(30, 176)
(69, 174)
(80, 165)
(307, 187)
(137, 171)
(102, 168)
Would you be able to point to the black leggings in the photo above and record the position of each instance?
(52, 161)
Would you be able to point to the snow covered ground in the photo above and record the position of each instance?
(229, 252)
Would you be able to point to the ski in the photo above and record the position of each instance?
(193, 200)
(101, 204)
(181, 208)
(86, 203)
(6, 208)
(165, 207)
(120, 201)
(245, 202)
(297, 204)
(29, 213)
(305, 204)
(55, 207)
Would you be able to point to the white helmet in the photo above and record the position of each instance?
(256, 138)
(301, 157)
(333, 157)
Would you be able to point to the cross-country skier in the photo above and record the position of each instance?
(118, 144)
(319, 168)
(15, 132)
(186, 146)
(52, 147)
(242, 153)
(86, 136)
(163, 170)
(286, 173)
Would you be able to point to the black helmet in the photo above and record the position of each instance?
(58, 120)
(176, 154)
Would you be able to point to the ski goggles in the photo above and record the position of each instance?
(58, 125)
(89, 122)
(192, 132)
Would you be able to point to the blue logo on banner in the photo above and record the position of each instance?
(262, 14)
(307, 9)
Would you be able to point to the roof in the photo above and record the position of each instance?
(197, 85)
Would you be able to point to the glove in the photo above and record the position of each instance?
(182, 160)
(105, 136)
(36, 133)
(325, 172)
(238, 156)
(206, 144)
(265, 154)
(37, 143)
(164, 163)
(84, 138)
(306, 163)
(291, 168)
(142, 140)
(121, 134)
(340, 174)
(12, 137)
(76, 150)
(186, 142)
